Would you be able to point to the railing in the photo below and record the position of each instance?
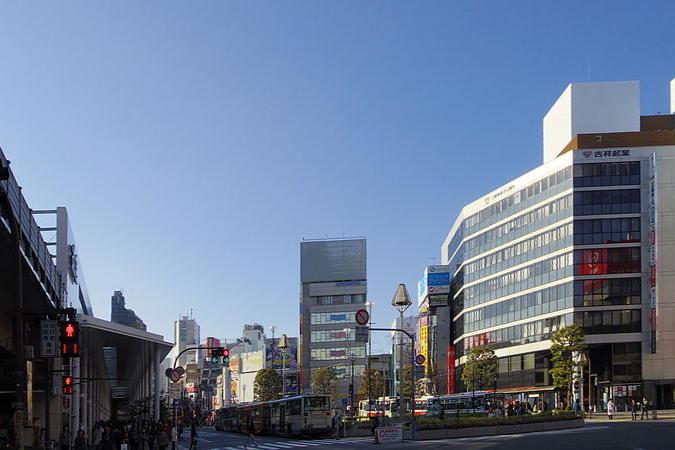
(32, 243)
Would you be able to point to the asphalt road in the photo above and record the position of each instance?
(651, 435)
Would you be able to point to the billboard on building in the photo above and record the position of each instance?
(435, 282)
(252, 361)
(652, 250)
(276, 359)
(332, 260)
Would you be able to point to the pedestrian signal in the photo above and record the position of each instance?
(70, 338)
(67, 385)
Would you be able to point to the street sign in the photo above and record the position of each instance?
(576, 386)
(361, 334)
(419, 360)
(362, 317)
(418, 372)
(174, 374)
(49, 338)
(388, 434)
(174, 391)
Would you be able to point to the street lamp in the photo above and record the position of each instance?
(401, 302)
(283, 346)
(352, 357)
(369, 305)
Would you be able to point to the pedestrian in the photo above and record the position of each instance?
(80, 441)
(634, 410)
(64, 439)
(193, 436)
(336, 425)
(174, 436)
(250, 428)
(576, 407)
(610, 409)
(645, 409)
(162, 438)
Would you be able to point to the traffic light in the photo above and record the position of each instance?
(67, 385)
(70, 338)
(226, 357)
(216, 353)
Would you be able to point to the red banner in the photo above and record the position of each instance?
(451, 369)
(595, 262)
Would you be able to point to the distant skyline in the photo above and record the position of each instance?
(196, 145)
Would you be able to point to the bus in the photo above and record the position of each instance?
(382, 406)
(301, 415)
(478, 402)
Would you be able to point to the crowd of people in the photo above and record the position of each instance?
(118, 436)
(510, 408)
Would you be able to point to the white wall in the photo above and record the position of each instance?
(591, 108)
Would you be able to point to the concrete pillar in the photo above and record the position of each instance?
(157, 380)
(84, 389)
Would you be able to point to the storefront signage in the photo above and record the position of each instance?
(652, 249)
(605, 153)
(388, 434)
(451, 369)
(48, 338)
(438, 300)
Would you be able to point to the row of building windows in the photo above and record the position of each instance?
(331, 336)
(608, 291)
(520, 226)
(606, 231)
(326, 354)
(547, 300)
(345, 371)
(620, 201)
(535, 331)
(601, 261)
(607, 174)
(542, 272)
(534, 247)
(332, 317)
(519, 200)
(340, 299)
(603, 322)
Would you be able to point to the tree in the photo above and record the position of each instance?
(480, 369)
(267, 385)
(406, 382)
(565, 343)
(323, 381)
(375, 379)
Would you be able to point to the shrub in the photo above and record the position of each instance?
(434, 423)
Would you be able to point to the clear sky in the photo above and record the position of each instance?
(196, 143)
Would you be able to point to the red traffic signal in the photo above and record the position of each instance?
(70, 338)
(68, 385)
(226, 352)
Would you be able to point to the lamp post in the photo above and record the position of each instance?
(351, 385)
(401, 302)
(369, 305)
(283, 346)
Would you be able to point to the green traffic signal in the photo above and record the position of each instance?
(214, 359)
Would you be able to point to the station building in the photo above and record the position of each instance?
(586, 238)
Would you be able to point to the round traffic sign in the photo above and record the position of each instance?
(419, 359)
(362, 317)
(175, 376)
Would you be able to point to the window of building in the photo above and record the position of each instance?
(612, 291)
(604, 322)
(600, 261)
(331, 336)
(606, 231)
(326, 354)
(331, 318)
(607, 174)
(619, 201)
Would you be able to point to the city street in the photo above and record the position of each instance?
(625, 435)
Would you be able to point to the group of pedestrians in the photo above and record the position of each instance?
(119, 436)
(511, 408)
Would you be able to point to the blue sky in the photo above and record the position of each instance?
(195, 144)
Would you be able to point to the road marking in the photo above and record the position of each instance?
(267, 447)
(290, 443)
(278, 444)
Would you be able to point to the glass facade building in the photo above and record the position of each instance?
(573, 242)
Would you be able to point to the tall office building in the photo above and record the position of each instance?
(332, 288)
(587, 239)
(186, 335)
(122, 315)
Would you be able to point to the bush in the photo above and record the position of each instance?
(433, 423)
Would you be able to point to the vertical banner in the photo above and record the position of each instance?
(451, 369)
(652, 250)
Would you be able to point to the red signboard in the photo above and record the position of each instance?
(451, 369)
(595, 262)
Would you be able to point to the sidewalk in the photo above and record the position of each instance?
(623, 416)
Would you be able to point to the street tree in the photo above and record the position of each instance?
(267, 385)
(406, 381)
(323, 381)
(480, 370)
(374, 379)
(565, 343)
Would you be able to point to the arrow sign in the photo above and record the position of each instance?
(362, 317)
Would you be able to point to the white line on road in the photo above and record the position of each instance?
(278, 444)
(291, 444)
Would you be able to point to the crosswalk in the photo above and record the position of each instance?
(281, 445)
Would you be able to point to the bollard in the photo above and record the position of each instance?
(654, 415)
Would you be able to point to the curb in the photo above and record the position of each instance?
(423, 435)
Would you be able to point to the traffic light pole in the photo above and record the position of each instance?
(199, 347)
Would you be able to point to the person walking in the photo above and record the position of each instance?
(193, 436)
(610, 409)
(645, 408)
(80, 441)
(576, 407)
(336, 425)
(633, 410)
(64, 439)
(250, 427)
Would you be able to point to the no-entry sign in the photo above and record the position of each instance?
(362, 317)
